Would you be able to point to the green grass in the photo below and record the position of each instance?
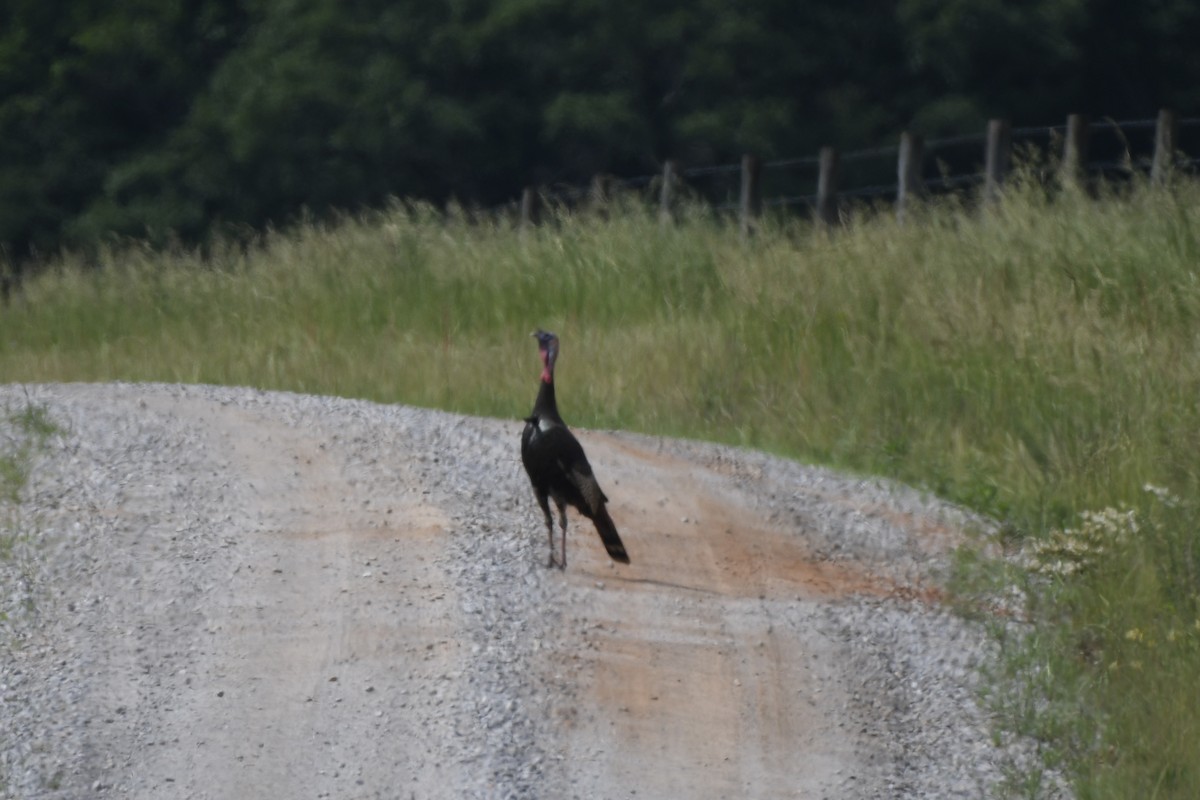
(22, 432)
(1034, 363)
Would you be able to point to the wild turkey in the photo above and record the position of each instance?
(557, 466)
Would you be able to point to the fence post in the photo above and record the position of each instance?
(997, 158)
(751, 199)
(1075, 149)
(666, 207)
(529, 208)
(910, 185)
(598, 195)
(827, 186)
(1166, 133)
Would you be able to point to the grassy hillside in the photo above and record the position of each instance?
(1037, 364)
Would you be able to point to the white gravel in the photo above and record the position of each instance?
(222, 592)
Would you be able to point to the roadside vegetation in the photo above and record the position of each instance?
(1039, 363)
(24, 429)
(22, 432)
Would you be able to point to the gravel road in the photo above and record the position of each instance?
(227, 593)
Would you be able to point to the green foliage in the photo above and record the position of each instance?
(27, 429)
(1104, 676)
(970, 48)
(22, 433)
(83, 89)
(169, 121)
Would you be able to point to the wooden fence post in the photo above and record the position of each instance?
(1166, 133)
(666, 207)
(599, 194)
(827, 186)
(750, 204)
(997, 158)
(910, 184)
(529, 208)
(1075, 150)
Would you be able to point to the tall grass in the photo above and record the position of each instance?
(1034, 363)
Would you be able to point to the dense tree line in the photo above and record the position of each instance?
(165, 118)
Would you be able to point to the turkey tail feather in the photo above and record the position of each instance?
(608, 534)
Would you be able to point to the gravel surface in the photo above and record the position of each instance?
(221, 592)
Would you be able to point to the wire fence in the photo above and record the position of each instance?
(1106, 148)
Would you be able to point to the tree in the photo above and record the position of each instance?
(991, 58)
(86, 87)
(164, 118)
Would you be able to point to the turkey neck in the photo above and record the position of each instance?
(546, 406)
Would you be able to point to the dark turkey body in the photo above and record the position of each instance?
(559, 470)
(557, 466)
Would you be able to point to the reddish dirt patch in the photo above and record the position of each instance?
(685, 526)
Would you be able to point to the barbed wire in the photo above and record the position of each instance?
(575, 193)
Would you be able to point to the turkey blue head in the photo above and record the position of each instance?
(548, 350)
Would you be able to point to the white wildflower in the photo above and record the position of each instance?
(1066, 552)
(1163, 494)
